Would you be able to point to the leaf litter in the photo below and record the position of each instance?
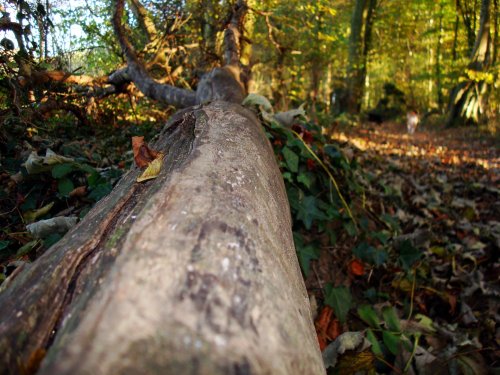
(429, 301)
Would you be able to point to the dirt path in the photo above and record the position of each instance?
(442, 189)
(463, 150)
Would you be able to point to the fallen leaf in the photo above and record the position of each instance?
(345, 342)
(32, 215)
(59, 224)
(143, 155)
(321, 324)
(37, 164)
(356, 268)
(152, 170)
(78, 192)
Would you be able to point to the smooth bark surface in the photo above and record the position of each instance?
(192, 273)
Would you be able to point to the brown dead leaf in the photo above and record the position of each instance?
(327, 327)
(356, 268)
(78, 192)
(143, 155)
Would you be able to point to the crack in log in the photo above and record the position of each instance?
(60, 284)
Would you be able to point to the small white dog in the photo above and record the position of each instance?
(411, 121)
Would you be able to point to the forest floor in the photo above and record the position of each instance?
(443, 187)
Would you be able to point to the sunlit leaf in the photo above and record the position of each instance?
(152, 170)
(31, 216)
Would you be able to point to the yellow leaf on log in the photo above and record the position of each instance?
(153, 169)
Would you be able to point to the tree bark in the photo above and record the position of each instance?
(193, 272)
(359, 47)
(468, 99)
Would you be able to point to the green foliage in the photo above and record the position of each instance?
(340, 299)
(315, 203)
(82, 167)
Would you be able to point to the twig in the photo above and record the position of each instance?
(413, 351)
(412, 293)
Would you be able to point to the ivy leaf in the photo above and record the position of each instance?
(291, 158)
(306, 178)
(305, 255)
(65, 186)
(392, 341)
(332, 151)
(391, 318)
(340, 300)
(392, 222)
(368, 315)
(376, 348)
(350, 228)
(4, 244)
(61, 170)
(309, 211)
(380, 257)
(27, 248)
(100, 191)
(370, 254)
(408, 254)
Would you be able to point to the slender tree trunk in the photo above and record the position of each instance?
(367, 46)
(280, 89)
(468, 13)
(469, 98)
(455, 40)
(439, 89)
(359, 47)
(354, 89)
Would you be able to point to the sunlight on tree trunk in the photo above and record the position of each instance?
(469, 98)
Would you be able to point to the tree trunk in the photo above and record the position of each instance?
(468, 99)
(359, 47)
(468, 12)
(439, 88)
(191, 273)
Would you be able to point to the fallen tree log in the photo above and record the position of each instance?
(191, 273)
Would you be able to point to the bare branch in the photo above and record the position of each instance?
(148, 86)
(145, 20)
(53, 105)
(232, 34)
(16, 28)
(270, 28)
(41, 77)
